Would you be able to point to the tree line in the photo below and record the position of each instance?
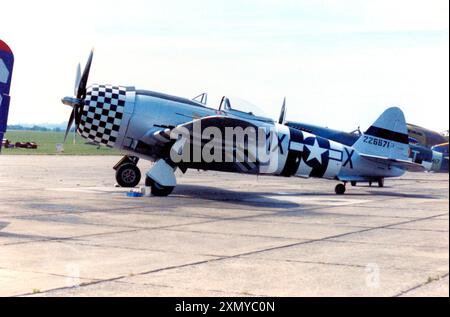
(18, 127)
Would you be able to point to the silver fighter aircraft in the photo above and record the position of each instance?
(179, 133)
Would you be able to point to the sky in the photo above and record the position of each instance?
(339, 63)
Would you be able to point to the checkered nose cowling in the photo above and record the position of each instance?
(102, 114)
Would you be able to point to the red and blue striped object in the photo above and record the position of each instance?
(6, 68)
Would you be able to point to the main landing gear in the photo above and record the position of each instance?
(161, 178)
(158, 189)
(127, 173)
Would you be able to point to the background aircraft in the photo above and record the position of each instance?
(151, 125)
(6, 68)
(425, 136)
(441, 148)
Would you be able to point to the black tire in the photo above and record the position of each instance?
(158, 189)
(340, 189)
(353, 184)
(128, 175)
(381, 182)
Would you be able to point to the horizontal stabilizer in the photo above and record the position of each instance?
(404, 164)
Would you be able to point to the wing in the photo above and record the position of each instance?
(159, 142)
(164, 136)
(406, 165)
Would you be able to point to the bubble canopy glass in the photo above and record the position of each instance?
(242, 108)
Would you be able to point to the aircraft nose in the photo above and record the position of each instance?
(103, 113)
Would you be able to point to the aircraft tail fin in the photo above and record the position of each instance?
(6, 67)
(387, 137)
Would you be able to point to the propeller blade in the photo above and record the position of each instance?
(81, 93)
(282, 118)
(77, 79)
(69, 124)
(78, 112)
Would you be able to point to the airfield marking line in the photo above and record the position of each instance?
(47, 273)
(420, 285)
(44, 273)
(57, 221)
(134, 212)
(230, 257)
(81, 242)
(316, 262)
(390, 243)
(247, 235)
(67, 238)
(424, 230)
(189, 288)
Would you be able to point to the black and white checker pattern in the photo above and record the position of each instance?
(102, 114)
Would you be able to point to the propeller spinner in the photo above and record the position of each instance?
(77, 102)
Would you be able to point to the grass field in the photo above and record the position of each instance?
(47, 144)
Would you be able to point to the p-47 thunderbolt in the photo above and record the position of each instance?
(6, 67)
(178, 133)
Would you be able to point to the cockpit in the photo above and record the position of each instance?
(237, 107)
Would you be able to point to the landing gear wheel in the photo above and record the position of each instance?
(381, 182)
(353, 184)
(158, 189)
(128, 175)
(340, 189)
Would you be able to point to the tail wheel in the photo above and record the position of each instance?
(340, 189)
(381, 182)
(128, 175)
(158, 189)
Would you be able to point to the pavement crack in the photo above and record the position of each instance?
(421, 285)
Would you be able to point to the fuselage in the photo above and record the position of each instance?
(127, 119)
